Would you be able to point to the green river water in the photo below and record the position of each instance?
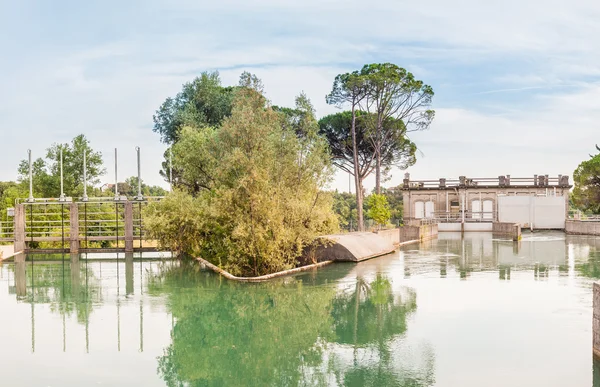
(466, 312)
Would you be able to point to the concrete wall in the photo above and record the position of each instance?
(392, 236)
(510, 230)
(579, 227)
(409, 233)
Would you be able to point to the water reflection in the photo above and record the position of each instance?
(408, 319)
(542, 252)
(70, 287)
(283, 333)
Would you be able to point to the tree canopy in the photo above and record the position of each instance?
(256, 188)
(201, 102)
(586, 193)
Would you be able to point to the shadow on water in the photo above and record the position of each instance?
(286, 332)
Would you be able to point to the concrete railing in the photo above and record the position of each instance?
(582, 227)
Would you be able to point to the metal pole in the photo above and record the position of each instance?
(30, 177)
(85, 197)
(139, 165)
(62, 192)
(116, 179)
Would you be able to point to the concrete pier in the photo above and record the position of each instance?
(596, 320)
(509, 230)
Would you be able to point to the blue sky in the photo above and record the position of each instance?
(517, 82)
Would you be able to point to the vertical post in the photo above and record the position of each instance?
(19, 228)
(128, 273)
(30, 177)
(139, 168)
(85, 197)
(128, 226)
(349, 183)
(62, 191)
(116, 178)
(596, 320)
(74, 228)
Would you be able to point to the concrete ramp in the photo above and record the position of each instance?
(353, 247)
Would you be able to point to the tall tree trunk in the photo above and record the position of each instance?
(378, 155)
(357, 178)
(378, 173)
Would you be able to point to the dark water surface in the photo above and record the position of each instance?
(451, 312)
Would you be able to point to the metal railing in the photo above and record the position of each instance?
(469, 216)
(578, 215)
(7, 231)
(98, 223)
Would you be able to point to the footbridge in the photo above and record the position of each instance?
(76, 225)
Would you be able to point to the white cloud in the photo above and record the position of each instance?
(109, 89)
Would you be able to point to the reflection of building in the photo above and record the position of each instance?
(540, 201)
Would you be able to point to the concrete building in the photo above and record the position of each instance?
(539, 202)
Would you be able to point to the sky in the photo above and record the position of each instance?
(517, 83)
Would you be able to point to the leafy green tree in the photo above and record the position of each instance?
(344, 206)
(586, 193)
(202, 102)
(351, 88)
(394, 93)
(257, 188)
(379, 209)
(394, 196)
(130, 188)
(46, 172)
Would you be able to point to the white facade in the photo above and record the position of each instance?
(537, 212)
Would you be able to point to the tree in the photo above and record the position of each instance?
(257, 189)
(202, 102)
(379, 209)
(344, 206)
(586, 193)
(394, 93)
(394, 198)
(336, 128)
(351, 88)
(130, 188)
(46, 172)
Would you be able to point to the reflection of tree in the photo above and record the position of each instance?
(369, 319)
(591, 268)
(371, 314)
(281, 333)
(231, 334)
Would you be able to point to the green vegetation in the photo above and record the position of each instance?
(379, 209)
(254, 189)
(586, 193)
